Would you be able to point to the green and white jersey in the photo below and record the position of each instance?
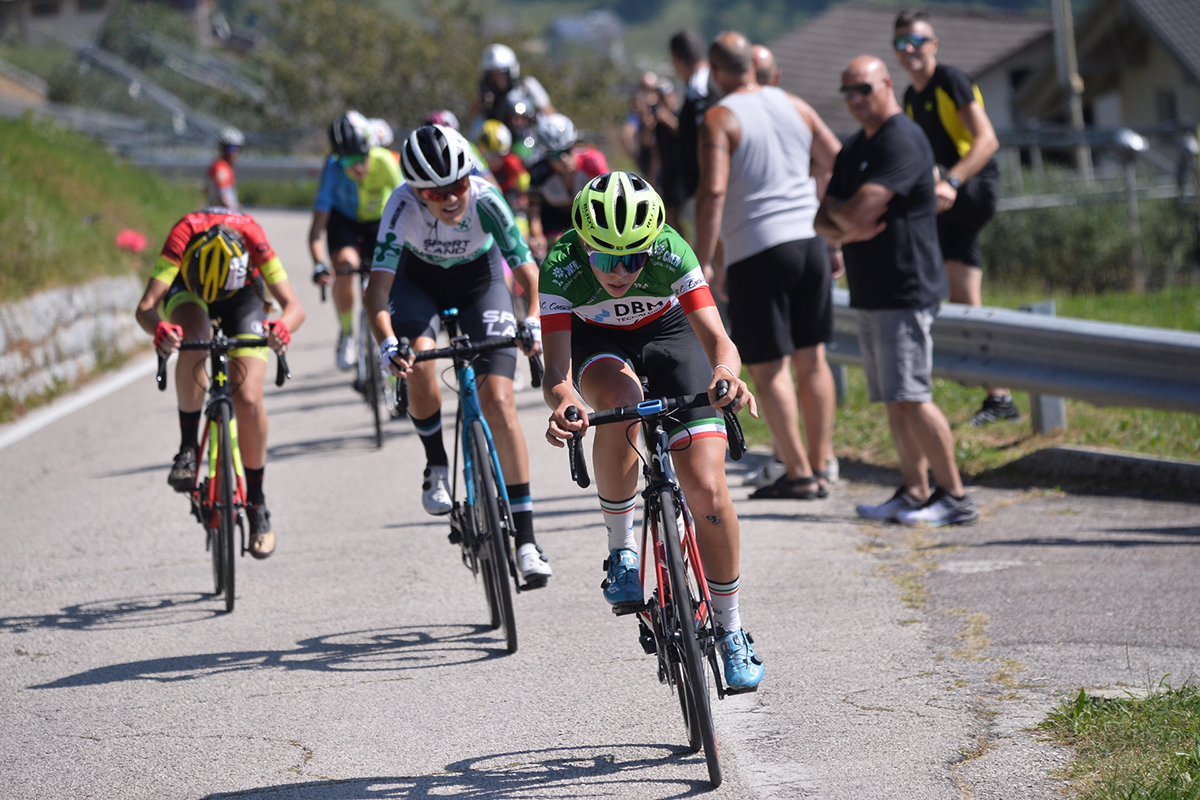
(408, 224)
(567, 286)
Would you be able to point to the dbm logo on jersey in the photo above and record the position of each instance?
(625, 312)
(500, 323)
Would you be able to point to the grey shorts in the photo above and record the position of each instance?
(897, 354)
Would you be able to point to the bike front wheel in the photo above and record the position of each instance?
(689, 663)
(226, 483)
(493, 549)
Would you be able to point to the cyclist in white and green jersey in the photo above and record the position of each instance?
(443, 242)
(622, 295)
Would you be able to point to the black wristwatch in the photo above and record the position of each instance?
(954, 182)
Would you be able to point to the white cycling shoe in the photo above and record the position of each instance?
(435, 491)
(347, 352)
(533, 566)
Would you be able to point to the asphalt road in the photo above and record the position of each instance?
(899, 664)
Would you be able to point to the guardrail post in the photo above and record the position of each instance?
(1046, 413)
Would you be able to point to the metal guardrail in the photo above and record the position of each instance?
(1102, 363)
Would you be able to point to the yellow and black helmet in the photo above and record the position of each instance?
(618, 213)
(215, 264)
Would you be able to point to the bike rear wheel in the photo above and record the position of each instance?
(493, 551)
(690, 666)
(226, 482)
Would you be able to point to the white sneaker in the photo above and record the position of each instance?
(532, 565)
(831, 469)
(347, 352)
(889, 511)
(941, 509)
(435, 496)
(767, 474)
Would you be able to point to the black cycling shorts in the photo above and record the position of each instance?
(780, 301)
(421, 290)
(666, 351)
(958, 228)
(342, 231)
(241, 315)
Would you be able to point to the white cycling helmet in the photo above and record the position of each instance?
(556, 132)
(231, 136)
(502, 57)
(435, 155)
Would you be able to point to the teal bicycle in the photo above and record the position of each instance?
(481, 524)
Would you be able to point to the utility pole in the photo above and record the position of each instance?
(1067, 65)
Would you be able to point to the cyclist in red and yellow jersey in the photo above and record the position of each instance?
(214, 266)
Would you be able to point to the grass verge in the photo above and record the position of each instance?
(1132, 748)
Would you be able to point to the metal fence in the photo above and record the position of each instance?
(1102, 363)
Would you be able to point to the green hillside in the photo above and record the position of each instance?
(64, 198)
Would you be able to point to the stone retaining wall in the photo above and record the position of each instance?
(59, 336)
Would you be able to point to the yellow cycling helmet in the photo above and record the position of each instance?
(215, 264)
(494, 137)
(618, 213)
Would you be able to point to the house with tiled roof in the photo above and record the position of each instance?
(1140, 65)
(999, 50)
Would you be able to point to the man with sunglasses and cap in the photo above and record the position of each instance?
(445, 238)
(623, 296)
(357, 180)
(947, 105)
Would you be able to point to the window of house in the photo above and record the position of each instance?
(45, 8)
(1164, 105)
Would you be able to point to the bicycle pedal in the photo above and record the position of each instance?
(749, 690)
(647, 643)
(535, 583)
(454, 536)
(623, 609)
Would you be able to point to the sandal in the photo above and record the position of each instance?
(822, 484)
(789, 489)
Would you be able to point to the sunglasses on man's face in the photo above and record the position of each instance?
(915, 39)
(350, 161)
(440, 193)
(861, 89)
(607, 262)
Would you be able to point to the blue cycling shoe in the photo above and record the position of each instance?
(743, 668)
(623, 586)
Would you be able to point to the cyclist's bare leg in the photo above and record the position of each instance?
(249, 409)
(609, 383)
(500, 411)
(190, 379)
(345, 264)
(701, 472)
(424, 396)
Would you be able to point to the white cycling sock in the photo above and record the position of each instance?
(618, 519)
(725, 605)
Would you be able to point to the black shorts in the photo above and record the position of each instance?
(341, 231)
(666, 352)
(241, 315)
(780, 300)
(958, 228)
(421, 290)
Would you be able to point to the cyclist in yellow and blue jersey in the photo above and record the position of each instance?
(357, 181)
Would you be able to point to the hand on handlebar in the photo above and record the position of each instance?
(530, 333)
(278, 335)
(738, 391)
(567, 421)
(395, 358)
(322, 275)
(167, 338)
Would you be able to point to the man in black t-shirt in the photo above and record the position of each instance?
(881, 208)
(947, 105)
(689, 58)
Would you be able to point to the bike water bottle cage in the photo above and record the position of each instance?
(647, 408)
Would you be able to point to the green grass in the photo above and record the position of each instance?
(861, 430)
(64, 198)
(1132, 748)
(281, 194)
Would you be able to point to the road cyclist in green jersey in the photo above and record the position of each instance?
(622, 295)
(443, 242)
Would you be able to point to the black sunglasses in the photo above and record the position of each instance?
(862, 89)
(915, 39)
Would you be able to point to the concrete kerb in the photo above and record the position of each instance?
(1076, 462)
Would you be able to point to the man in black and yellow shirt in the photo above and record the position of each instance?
(947, 105)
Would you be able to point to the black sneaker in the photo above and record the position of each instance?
(262, 538)
(183, 471)
(995, 409)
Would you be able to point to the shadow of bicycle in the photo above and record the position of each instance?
(386, 650)
(605, 770)
(147, 611)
